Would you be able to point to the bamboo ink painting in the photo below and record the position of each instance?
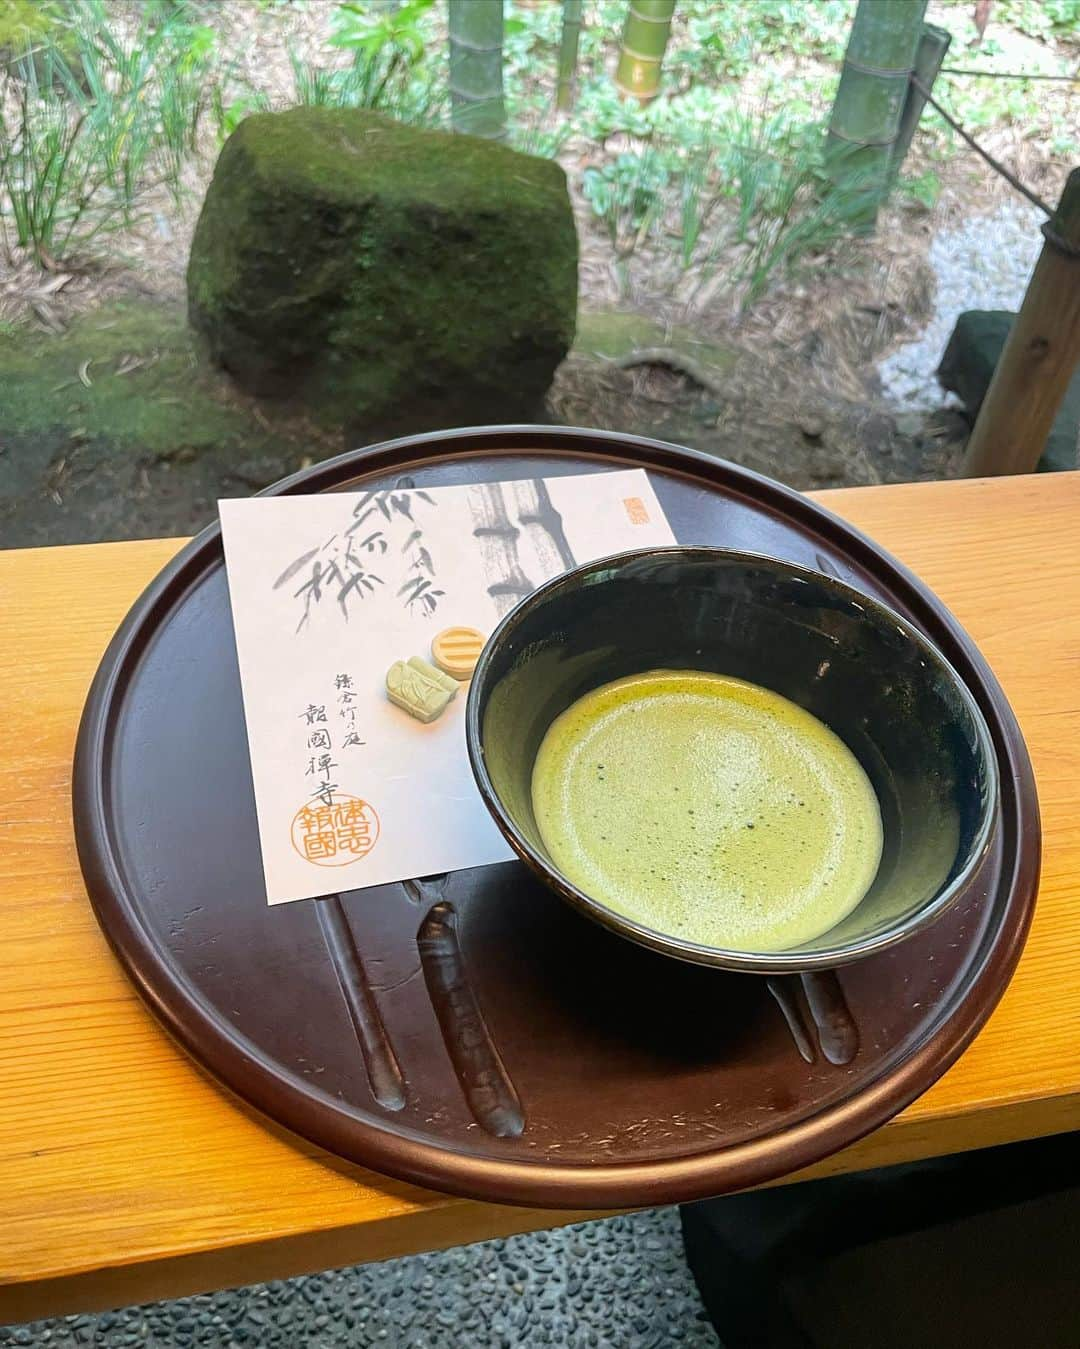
(327, 592)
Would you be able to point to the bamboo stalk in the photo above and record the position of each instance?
(644, 41)
(1039, 357)
(871, 97)
(568, 55)
(929, 56)
(476, 79)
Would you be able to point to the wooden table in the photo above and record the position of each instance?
(126, 1175)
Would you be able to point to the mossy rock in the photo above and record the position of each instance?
(968, 366)
(389, 277)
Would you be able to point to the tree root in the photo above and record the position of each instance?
(674, 360)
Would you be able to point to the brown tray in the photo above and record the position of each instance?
(470, 1032)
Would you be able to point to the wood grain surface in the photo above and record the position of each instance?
(126, 1175)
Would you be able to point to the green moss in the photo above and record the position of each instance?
(345, 155)
(166, 405)
(615, 332)
(374, 269)
(24, 19)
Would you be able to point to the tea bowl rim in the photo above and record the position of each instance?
(741, 961)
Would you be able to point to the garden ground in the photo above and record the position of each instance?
(96, 362)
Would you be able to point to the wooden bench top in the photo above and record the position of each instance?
(126, 1175)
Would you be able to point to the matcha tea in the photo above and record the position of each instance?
(707, 808)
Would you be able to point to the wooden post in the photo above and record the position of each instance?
(933, 44)
(1039, 357)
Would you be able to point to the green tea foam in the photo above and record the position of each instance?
(707, 808)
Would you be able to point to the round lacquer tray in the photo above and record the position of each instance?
(471, 1032)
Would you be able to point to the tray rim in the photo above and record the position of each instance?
(242, 1068)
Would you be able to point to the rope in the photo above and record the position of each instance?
(1007, 75)
(882, 72)
(863, 144)
(995, 164)
(1052, 237)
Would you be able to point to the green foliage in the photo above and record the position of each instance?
(727, 40)
(92, 121)
(368, 84)
(316, 87)
(925, 189)
(1064, 15)
(229, 115)
(715, 180)
(697, 201)
(1042, 18)
(709, 175)
(390, 35)
(603, 112)
(387, 73)
(627, 194)
(810, 217)
(752, 198)
(981, 103)
(544, 139)
(784, 209)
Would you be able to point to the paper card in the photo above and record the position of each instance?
(327, 591)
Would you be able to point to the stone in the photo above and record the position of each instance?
(384, 276)
(910, 423)
(968, 365)
(972, 353)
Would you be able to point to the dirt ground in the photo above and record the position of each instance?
(788, 389)
(86, 470)
(112, 427)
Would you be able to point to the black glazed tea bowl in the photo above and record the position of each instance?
(857, 666)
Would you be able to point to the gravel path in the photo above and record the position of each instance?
(983, 264)
(621, 1283)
